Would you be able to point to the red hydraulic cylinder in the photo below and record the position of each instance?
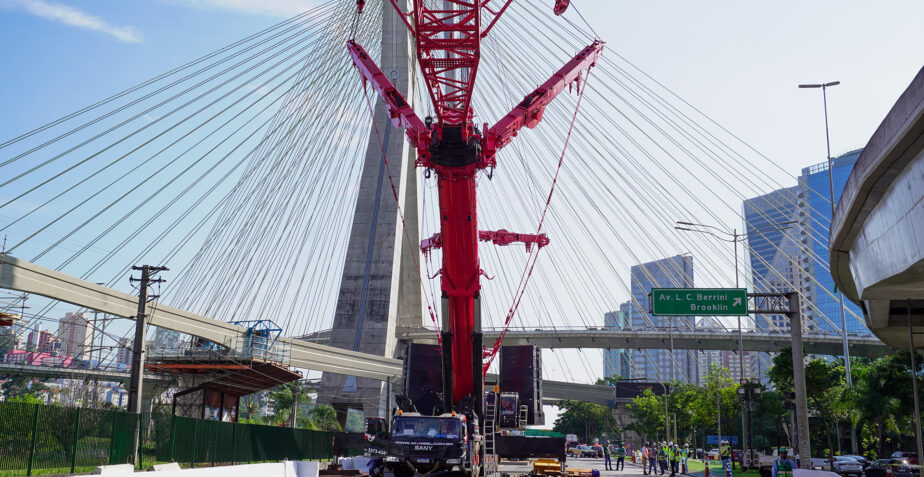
(461, 269)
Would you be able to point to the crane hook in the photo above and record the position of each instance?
(561, 6)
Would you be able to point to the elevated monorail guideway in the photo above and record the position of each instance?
(21, 275)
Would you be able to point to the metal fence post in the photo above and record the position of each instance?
(215, 440)
(172, 437)
(34, 436)
(233, 441)
(192, 463)
(112, 433)
(76, 438)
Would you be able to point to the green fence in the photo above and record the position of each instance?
(39, 439)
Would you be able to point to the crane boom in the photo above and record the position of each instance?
(448, 44)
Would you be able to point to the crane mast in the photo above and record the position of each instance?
(448, 44)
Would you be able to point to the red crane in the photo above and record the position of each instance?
(448, 45)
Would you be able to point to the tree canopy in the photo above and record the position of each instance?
(587, 420)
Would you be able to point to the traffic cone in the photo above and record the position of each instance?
(888, 471)
(707, 469)
(683, 466)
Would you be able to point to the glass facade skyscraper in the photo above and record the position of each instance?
(797, 257)
(657, 365)
(773, 252)
(815, 192)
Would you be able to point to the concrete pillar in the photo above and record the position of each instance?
(380, 287)
(798, 366)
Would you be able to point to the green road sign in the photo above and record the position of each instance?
(699, 301)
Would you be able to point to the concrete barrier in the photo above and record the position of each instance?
(114, 470)
(276, 469)
(169, 466)
(813, 473)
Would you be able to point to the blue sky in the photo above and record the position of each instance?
(739, 61)
(56, 66)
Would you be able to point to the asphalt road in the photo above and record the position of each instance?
(631, 470)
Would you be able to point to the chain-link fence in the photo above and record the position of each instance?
(40, 439)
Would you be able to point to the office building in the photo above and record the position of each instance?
(124, 353)
(616, 361)
(661, 365)
(824, 309)
(773, 251)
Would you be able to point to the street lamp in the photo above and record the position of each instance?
(749, 390)
(840, 296)
(734, 237)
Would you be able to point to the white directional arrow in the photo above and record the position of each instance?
(737, 301)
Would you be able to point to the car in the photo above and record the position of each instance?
(578, 450)
(911, 457)
(846, 466)
(737, 455)
(900, 468)
(713, 454)
(862, 460)
(698, 454)
(596, 451)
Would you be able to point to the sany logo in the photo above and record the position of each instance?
(423, 448)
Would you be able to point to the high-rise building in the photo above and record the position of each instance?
(42, 341)
(722, 358)
(796, 258)
(662, 365)
(616, 361)
(124, 352)
(74, 335)
(820, 293)
(773, 250)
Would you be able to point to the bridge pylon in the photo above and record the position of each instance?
(380, 287)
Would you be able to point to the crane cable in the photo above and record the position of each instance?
(531, 260)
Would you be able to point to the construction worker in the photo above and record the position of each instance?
(672, 456)
(645, 456)
(684, 455)
(783, 466)
(725, 452)
(607, 462)
(620, 456)
(662, 457)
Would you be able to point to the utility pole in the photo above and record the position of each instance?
(138, 351)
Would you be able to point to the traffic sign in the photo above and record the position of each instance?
(699, 301)
(710, 439)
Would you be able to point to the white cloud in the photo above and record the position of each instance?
(77, 18)
(278, 8)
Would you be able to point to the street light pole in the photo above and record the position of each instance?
(840, 296)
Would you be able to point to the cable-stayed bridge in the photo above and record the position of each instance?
(271, 182)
